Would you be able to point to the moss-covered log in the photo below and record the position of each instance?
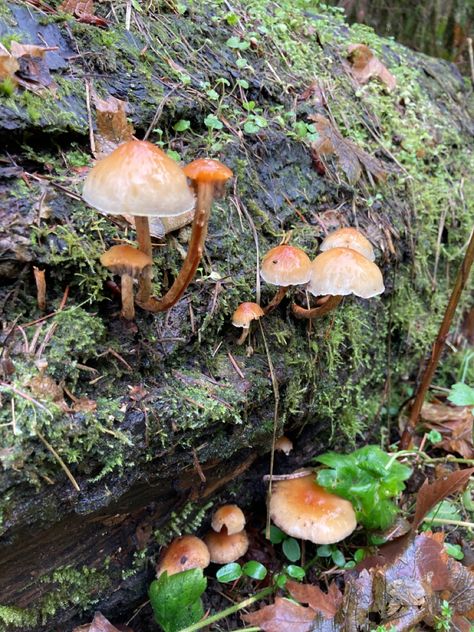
(143, 406)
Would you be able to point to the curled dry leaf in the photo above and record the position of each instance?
(25, 65)
(282, 616)
(325, 603)
(455, 424)
(351, 157)
(84, 11)
(365, 66)
(113, 127)
(101, 624)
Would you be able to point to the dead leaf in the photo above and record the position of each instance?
(84, 11)
(351, 157)
(455, 424)
(101, 624)
(461, 587)
(25, 65)
(313, 92)
(430, 494)
(8, 65)
(365, 65)
(113, 127)
(30, 50)
(84, 405)
(282, 616)
(357, 601)
(326, 604)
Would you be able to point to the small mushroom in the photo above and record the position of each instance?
(284, 266)
(243, 316)
(139, 179)
(182, 554)
(129, 263)
(229, 516)
(283, 444)
(209, 178)
(225, 548)
(337, 273)
(303, 509)
(349, 238)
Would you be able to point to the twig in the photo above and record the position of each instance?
(89, 118)
(158, 112)
(461, 280)
(471, 58)
(40, 288)
(128, 15)
(67, 471)
(233, 361)
(288, 477)
(240, 207)
(9, 387)
(457, 523)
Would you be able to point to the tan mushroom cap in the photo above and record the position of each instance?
(125, 260)
(224, 548)
(245, 313)
(284, 444)
(207, 170)
(286, 265)
(349, 238)
(229, 516)
(303, 509)
(182, 554)
(341, 271)
(139, 179)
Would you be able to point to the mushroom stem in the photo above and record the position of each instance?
(316, 312)
(276, 300)
(128, 308)
(142, 227)
(243, 336)
(205, 195)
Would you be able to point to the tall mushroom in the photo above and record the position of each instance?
(349, 238)
(243, 316)
(130, 264)
(337, 273)
(139, 179)
(209, 178)
(284, 266)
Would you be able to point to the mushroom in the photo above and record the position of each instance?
(243, 316)
(349, 238)
(139, 179)
(182, 554)
(303, 509)
(229, 516)
(209, 178)
(129, 263)
(283, 444)
(336, 273)
(225, 548)
(284, 266)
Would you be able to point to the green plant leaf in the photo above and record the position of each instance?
(251, 128)
(324, 550)
(369, 478)
(176, 599)
(255, 570)
(291, 549)
(229, 573)
(338, 558)
(276, 535)
(296, 572)
(212, 122)
(461, 394)
(454, 550)
(182, 125)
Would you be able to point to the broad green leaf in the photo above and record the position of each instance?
(212, 122)
(454, 550)
(251, 128)
(461, 394)
(338, 558)
(182, 125)
(291, 549)
(255, 570)
(229, 572)
(175, 599)
(297, 572)
(276, 535)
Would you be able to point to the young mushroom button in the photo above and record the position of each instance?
(229, 516)
(209, 178)
(225, 548)
(139, 179)
(129, 263)
(349, 238)
(284, 266)
(183, 554)
(243, 316)
(303, 509)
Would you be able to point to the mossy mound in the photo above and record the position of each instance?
(240, 86)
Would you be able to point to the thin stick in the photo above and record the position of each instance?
(89, 118)
(276, 394)
(316, 312)
(128, 15)
(228, 611)
(461, 280)
(67, 471)
(289, 477)
(457, 523)
(471, 58)
(40, 288)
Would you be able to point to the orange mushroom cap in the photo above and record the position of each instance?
(229, 516)
(284, 445)
(349, 238)
(341, 271)
(224, 548)
(138, 178)
(286, 265)
(182, 554)
(303, 509)
(125, 260)
(245, 313)
(207, 170)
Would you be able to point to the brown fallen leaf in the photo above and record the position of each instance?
(357, 601)
(113, 127)
(24, 64)
(351, 157)
(101, 624)
(325, 603)
(282, 616)
(84, 11)
(30, 50)
(365, 65)
(455, 423)
(430, 494)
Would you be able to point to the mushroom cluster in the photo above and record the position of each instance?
(139, 179)
(345, 266)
